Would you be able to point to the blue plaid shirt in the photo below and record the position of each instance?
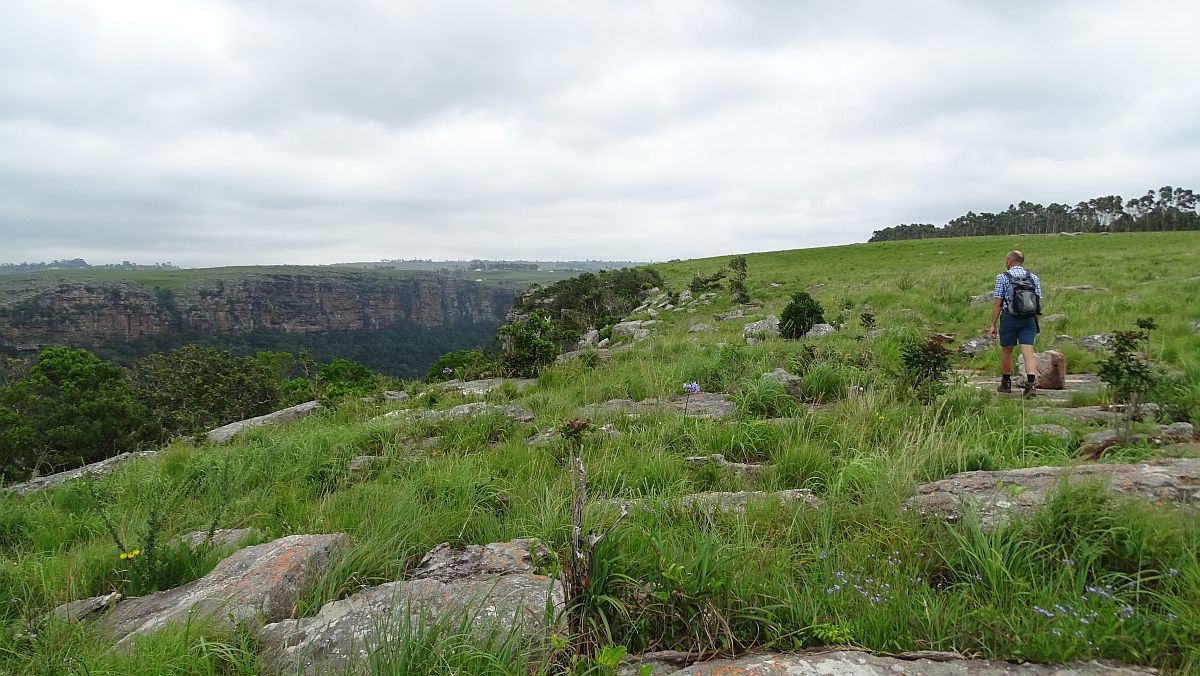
(1004, 287)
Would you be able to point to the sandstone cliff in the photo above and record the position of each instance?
(43, 310)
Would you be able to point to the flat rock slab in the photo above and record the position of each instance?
(493, 584)
(744, 469)
(226, 432)
(260, 582)
(553, 434)
(1096, 414)
(704, 405)
(1094, 444)
(480, 387)
(854, 663)
(462, 412)
(1049, 430)
(1088, 383)
(101, 468)
(719, 501)
(1000, 495)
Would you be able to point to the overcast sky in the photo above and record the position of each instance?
(304, 131)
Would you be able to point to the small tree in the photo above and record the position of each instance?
(341, 379)
(925, 367)
(528, 345)
(1127, 373)
(737, 280)
(800, 315)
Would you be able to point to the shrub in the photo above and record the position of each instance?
(925, 367)
(737, 280)
(800, 315)
(701, 283)
(528, 345)
(341, 379)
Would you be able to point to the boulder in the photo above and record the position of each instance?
(732, 314)
(1094, 444)
(395, 395)
(590, 338)
(976, 345)
(1052, 370)
(496, 585)
(224, 433)
(701, 328)
(261, 582)
(101, 468)
(1098, 341)
(763, 328)
(636, 330)
(652, 314)
(77, 610)
(820, 331)
(999, 495)
(1049, 430)
(856, 663)
(222, 538)
(791, 382)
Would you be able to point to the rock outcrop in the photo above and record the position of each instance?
(763, 328)
(855, 663)
(721, 501)
(496, 585)
(226, 432)
(256, 583)
(473, 388)
(101, 468)
(976, 345)
(77, 610)
(704, 405)
(463, 411)
(790, 382)
(998, 496)
(1094, 444)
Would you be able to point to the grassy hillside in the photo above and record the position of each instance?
(858, 570)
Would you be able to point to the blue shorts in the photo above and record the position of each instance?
(1015, 329)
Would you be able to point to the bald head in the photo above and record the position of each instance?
(1014, 258)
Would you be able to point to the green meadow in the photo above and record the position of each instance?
(1088, 576)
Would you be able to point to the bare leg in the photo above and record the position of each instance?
(1006, 360)
(1030, 359)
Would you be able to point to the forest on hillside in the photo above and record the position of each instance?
(1158, 210)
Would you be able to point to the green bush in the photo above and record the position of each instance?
(528, 345)
(343, 379)
(463, 364)
(800, 315)
(926, 364)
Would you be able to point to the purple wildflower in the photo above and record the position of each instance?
(691, 388)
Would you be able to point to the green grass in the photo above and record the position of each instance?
(777, 577)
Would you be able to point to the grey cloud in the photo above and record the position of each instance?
(271, 131)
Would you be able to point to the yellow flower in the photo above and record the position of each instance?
(130, 554)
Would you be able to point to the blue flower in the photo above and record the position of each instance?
(691, 388)
(447, 371)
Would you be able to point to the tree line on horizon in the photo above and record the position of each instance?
(79, 264)
(1159, 210)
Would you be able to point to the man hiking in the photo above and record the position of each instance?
(1017, 304)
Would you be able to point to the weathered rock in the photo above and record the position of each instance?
(1049, 430)
(976, 345)
(1083, 287)
(742, 468)
(1094, 444)
(1099, 414)
(1054, 318)
(982, 298)
(820, 331)
(701, 328)
(636, 330)
(732, 314)
(855, 663)
(101, 468)
(226, 432)
(463, 411)
(719, 501)
(222, 538)
(395, 395)
(495, 585)
(77, 610)
(875, 333)
(709, 295)
(685, 295)
(763, 328)
(590, 338)
(1052, 370)
(1098, 341)
(364, 465)
(652, 313)
(791, 382)
(260, 582)
(483, 386)
(703, 405)
(1002, 494)
(655, 663)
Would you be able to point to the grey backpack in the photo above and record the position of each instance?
(1023, 300)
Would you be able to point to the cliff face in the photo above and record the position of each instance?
(89, 312)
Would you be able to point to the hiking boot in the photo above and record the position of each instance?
(1029, 388)
(1005, 387)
